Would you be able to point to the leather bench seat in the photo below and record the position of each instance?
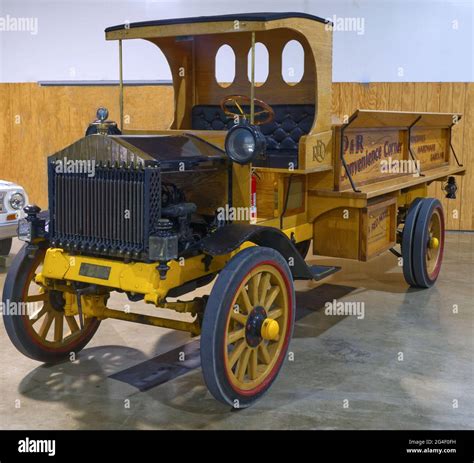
(282, 134)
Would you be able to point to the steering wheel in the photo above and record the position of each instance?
(239, 101)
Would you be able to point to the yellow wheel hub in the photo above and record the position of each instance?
(434, 243)
(270, 329)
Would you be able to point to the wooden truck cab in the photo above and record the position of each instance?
(314, 169)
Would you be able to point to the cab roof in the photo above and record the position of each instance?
(258, 17)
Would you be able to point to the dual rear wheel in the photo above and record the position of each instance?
(423, 242)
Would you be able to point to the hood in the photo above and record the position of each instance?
(167, 151)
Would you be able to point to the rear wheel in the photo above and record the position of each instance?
(247, 327)
(5, 246)
(408, 235)
(428, 243)
(423, 242)
(42, 331)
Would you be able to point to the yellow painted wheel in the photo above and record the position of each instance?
(433, 248)
(256, 327)
(39, 327)
(428, 243)
(423, 242)
(247, 326)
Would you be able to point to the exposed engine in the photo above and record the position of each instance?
(121, 212)
(187, 224)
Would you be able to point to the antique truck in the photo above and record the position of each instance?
(160, 215)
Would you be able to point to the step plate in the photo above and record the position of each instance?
(322, 271)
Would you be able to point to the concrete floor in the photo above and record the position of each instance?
(129, 377)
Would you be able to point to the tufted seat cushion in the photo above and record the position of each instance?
(291, 122)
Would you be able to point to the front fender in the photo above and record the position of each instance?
(229, 237)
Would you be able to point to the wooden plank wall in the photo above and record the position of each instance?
(436, 97)
(37, 121)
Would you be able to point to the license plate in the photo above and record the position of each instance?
(95, 271)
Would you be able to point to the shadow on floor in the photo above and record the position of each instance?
(72, 382)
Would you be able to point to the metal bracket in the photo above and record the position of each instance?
(341, 152)
(452, 147)
(409, 145)
(395, 252)
(87, 290)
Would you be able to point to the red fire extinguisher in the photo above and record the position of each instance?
(253, 199)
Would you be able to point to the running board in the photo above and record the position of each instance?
(322, 271)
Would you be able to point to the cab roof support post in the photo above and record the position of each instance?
(252, 81)
(121, 84)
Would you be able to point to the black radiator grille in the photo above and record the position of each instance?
(112, 212)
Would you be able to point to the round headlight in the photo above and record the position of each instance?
(17, 201)
(244, 142)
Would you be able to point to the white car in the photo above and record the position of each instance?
(13, 199)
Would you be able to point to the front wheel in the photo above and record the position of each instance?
(34, 318)
(247, 326)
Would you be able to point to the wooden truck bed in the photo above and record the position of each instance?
(395, 184)
(391, 148)
(381, 161)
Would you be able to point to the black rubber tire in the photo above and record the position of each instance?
(421, 237)
(16, 325)
(215, 318)
(303, 248)
(407, 240)
(5, 246)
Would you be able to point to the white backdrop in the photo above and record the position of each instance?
(398, 40)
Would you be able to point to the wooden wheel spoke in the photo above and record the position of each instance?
(243, 364)
(265, 286)
(253, 368)
(37, 297)
(72, 323)
(235, 336)
(275, 313)
(247, 303)
(272, 295)
(240, 318)
(38, 315)
(264, 354)
(236, 353)
(46, 325)
(58, 327)
(253, 286)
